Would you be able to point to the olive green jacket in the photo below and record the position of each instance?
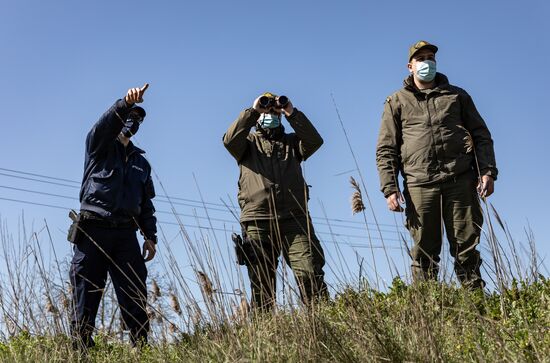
(271, 184)
(423, 136)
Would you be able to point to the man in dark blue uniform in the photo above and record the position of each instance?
(115, 202)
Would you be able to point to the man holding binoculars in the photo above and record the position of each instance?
(273, 197)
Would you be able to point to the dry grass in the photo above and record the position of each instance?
(425, 322)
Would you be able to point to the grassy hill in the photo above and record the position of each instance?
(427, 322)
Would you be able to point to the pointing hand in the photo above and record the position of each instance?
(135, 95)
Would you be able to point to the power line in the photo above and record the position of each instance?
(34, 203)
(179, 213)
(196, 226)
(37, 192)
(170, 199)
(77, 182)
(74, 198)
(40, 181)
(39, 175)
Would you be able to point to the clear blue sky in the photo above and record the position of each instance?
(65, 62)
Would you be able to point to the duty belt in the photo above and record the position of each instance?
(92, 219)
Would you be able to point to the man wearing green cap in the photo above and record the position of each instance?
(432, 133)
(273, 197)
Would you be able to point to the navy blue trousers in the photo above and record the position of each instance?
(115, 251)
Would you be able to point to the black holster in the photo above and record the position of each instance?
(244, 250)
(239, 249)
(75, 232)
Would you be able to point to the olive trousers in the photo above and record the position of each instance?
(293, 238)
(454, 204)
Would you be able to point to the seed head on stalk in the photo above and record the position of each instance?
(155, 289)
(151, 313)
(469, 146)
(197, 316)
(173, 328)
(206, 284)
(357, 204)
(468, 141)
(244, 308)
(50, 307)
(175, 304)
(65, 302)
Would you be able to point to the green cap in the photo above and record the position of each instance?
(421, 45)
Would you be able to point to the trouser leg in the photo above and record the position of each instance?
(463, 219)
(129, 275)
(88, 274)
(303, 252)
(262, 266)
(423, 210)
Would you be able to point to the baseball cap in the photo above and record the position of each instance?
(421, 45)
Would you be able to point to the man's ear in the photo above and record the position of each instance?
(410, 67)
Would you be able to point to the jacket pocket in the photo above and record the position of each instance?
(102, 189)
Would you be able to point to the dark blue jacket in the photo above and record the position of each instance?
(117, 180)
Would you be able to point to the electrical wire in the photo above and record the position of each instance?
(317, 222)
(159, 198)
(191, 225)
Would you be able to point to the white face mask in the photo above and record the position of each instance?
(426, 70)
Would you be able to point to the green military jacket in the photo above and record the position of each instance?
(421, 136)
(271, 184)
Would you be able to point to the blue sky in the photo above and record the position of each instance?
(64, 62)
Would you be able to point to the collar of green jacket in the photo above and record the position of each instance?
(441, 83)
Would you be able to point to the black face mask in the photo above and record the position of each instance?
(131, 127)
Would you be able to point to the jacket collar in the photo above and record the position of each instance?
(136, 149)
(270, 134)
(441, 83)
(131, 148)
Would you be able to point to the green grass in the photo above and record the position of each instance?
(419, 323)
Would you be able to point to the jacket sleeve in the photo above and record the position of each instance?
(388, 148)
(235, 139)
(107, 128)
(483, 142)
(147, 220)
(308, 138)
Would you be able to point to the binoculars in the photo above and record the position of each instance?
(279, 102)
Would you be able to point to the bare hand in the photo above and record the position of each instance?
(135, 95)
(486, 186)
(394, 201)
(149, 250)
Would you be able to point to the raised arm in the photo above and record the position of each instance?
(308, 138)
(107, 128)
(109, 125)
(235, 139)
